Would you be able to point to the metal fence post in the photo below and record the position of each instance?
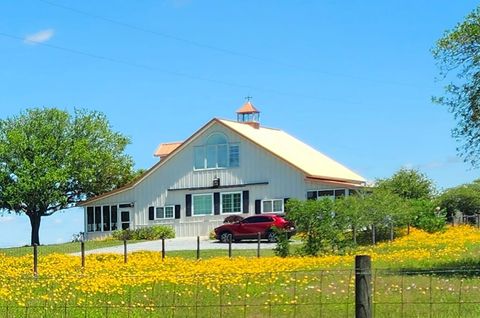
(373, 235)
(125, 254)
(363, 286)
(163, 249)
(391, 231)
(259, 237)
(198, 247)
(230, 246)
(35, 260)
(82, 251)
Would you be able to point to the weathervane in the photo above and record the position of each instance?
(248, 98)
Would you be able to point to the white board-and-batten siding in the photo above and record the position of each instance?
(169, 184)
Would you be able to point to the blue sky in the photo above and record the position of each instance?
(354, 79)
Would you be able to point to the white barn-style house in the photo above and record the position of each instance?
(226, 167)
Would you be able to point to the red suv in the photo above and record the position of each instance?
(249, 228)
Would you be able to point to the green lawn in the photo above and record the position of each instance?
(64, 248)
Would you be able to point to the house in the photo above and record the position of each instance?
(226, 167)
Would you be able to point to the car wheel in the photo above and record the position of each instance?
(225, 237)
(271, 237)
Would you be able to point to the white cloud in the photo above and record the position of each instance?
(7, 219)
(39, 37)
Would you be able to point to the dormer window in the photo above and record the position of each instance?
(217, 153)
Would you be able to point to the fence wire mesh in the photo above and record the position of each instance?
(316, 293)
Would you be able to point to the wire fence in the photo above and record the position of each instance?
(315, 293)
(194, 247)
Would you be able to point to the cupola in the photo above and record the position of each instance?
(248, 114)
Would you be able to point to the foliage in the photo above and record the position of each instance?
(122, 234)
(408, 184)
(323, 230)
(50, 160)
(155, 232)
(464, 198)
(428, 216)
(458, 51)
(282, 247)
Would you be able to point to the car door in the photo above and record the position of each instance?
(253, 225)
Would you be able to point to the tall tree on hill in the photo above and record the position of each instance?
(458, 51)
(50, 160)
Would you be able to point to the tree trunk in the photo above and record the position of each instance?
(35, 218)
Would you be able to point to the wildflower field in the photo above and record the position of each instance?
(418, 275)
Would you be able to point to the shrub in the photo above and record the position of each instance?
(323, 229)
(122, 234)
(282, 248)
(156, 232)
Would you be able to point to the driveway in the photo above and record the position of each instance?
(181, 244)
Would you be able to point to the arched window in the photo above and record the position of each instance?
(216, 153)
(217, 139)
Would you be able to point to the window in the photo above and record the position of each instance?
(202, 204)
(90, 223)
(232, 202)
(322, 194)
(102, 218)
(114, 217)
(216, 153)
(98, 219)
(166, 212)
(106, 218)
(257, 219)
(234, 155)
(269, 206)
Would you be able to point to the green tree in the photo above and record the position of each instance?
(383, 208)
(464, 198)
(352, 208)
(322, 229)
(458, 51)
(408, 184)
(50, 160)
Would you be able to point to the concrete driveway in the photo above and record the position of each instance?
(181, 244)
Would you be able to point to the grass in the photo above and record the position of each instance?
(63, 248)
(419, 282)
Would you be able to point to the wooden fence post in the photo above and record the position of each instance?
(125, 254)
(163, 249)
(230, 246)
(82, 251)
(198, 247)
(259, 237)
(363, 286)
(35, 260)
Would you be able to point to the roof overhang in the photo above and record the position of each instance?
(350, 184)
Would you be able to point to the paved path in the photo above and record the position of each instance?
(181, 244)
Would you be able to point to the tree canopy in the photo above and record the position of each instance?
(464, 198)
(458, 52)
(408, 184)
(50, 160)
